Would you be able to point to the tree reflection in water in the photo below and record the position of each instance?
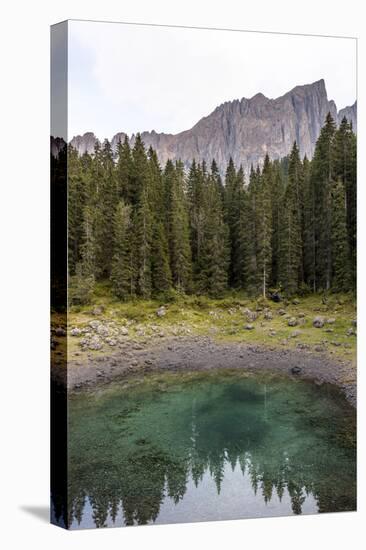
(132, 452)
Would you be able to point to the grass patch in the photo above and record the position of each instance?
(227, 318)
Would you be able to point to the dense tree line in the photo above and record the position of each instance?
(151, 229)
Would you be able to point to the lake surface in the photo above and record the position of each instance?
(209, 446)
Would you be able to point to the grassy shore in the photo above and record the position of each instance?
(233, 318)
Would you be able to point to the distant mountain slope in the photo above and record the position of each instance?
(245, 129)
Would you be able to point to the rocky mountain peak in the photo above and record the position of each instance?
(245, 129)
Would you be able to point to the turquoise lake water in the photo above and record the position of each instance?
(209, 446)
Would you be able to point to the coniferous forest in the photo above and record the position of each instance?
(153, 230)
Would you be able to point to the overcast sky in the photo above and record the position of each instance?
(134, 78)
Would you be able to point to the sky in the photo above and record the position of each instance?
(129, 78)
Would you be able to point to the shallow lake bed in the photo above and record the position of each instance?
(209, 445)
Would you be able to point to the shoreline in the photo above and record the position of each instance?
(203, 353)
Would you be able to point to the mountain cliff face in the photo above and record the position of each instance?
(245, 129)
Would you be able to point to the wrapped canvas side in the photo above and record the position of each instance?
(58, 156)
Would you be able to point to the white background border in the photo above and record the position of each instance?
(24, 303)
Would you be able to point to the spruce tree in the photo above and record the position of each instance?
(296, 180)
(139, 172)
(234, 188)
(290, 246)
(310, 243)
(161, 278)
(82, 283)
(195, 195)
(249, 234)
(212, 264)
(76, 176)
(106, 201)
(341, 273)
(142, 235)
(277, 191)
(345, 169)
(264, 227)
(122, 274)
(178, 227)
(320, 180)
(124, 170)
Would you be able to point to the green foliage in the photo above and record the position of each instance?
(122, 275)
(81, 287)
(167, 232)
(340, 244)
(290, 248)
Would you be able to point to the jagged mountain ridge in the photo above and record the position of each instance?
(245, 129)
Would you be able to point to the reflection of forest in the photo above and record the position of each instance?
(119, 471)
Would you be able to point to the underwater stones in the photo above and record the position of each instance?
(75, 331)
(292, 322)
(318, 322)
(161, 311)
(296, 370)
